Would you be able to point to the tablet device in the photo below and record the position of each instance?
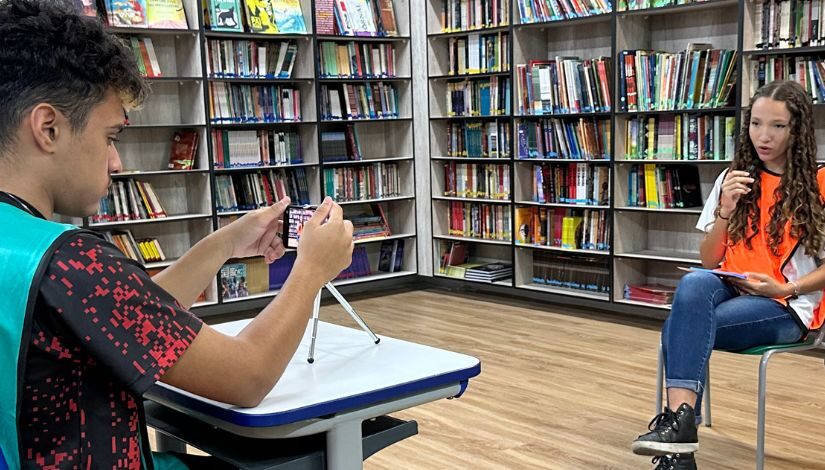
(294, 218)
(718, 272)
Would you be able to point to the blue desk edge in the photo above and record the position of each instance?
(460, 377)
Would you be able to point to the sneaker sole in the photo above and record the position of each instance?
(663, 448)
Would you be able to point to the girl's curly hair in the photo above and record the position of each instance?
(797, 196)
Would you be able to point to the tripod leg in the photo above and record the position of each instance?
(341, 300)
(316, 310)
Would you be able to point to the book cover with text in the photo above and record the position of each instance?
(166, 14)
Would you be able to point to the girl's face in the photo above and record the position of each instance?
(769, 131)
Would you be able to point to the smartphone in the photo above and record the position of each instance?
(294, 218)
(718, 272)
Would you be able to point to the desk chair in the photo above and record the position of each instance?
(812, 341)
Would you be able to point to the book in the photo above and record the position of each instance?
(398, 256)
(385, 255)
(717, 272)
(234, 281)
(279, 271)
(126, 13)
(166, 14)
(324, 17)
(224, 15)
(184, 149)
(259, 17)
(387, 17)
(651, 293)
(288, 16)
(490, 272)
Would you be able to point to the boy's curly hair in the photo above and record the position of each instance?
(49, 53)
(797, 197)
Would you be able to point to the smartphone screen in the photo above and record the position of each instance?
(296, 217)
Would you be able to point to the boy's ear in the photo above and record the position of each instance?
(43, 123)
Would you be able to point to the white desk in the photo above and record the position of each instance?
(351, 380)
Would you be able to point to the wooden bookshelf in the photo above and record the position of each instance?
(469, 142)
(670, 239)
(183, 98)
(646, 244)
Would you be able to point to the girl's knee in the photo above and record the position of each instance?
(698, 282)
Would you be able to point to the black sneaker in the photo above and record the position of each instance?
(675, 462)
(670, 433)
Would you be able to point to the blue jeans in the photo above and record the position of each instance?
(709, 313)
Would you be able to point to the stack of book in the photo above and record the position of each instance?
(650, 293)
(250, 59)
(360, 266)
(238, 149)
(129, 199)
(368, 222)
(351, 60)
(490, 272)
(465, 15)
(478, 139)
(809, 71)
(537, 11)
(784, 24)
(340, 145)
(696, 78)
(250, 191)
(147, 59)
(359, 183)
(582, 273)
(143, 251)
(355, 18)
(581, 139)
(563, 85)
(391, 256)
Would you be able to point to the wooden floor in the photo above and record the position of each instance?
(570, 390)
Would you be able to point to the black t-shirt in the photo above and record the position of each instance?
(102, 334)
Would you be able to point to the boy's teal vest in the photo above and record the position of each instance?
(26, 245)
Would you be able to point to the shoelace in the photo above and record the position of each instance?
(663, 419)
(665, 462)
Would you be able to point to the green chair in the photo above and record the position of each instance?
(812, 341)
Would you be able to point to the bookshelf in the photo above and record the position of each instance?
(436, 157)
(647, 241)
(547, 260)
(367, 154)
(243, 151)
(650, 242)
(176, 104)
(469, 61)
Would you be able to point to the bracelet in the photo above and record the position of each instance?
(718, 214)
(795, 288)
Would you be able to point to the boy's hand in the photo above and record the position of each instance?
(257, 233)
(326, 248)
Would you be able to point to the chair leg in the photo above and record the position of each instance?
(706, 395)
(760, 414)
(659, 379)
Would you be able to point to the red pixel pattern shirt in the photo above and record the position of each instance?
(102, 334)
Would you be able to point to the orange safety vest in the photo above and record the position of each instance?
(759, 258)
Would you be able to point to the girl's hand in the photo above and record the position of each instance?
(762, 284)
(735, 185)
